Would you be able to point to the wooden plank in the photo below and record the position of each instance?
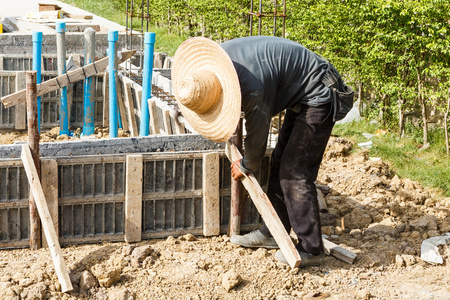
(129, 107)
(20, 122)
(267, 211)
(47, 224)
(121, 105)
(133, 198)
(323, 208)
(105, 88)
(166, 121)
(338, 252)
(154, 122)
(65, 79)
(49, 181)
(211, 196)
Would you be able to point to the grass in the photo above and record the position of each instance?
(115, 11)
(406, 155)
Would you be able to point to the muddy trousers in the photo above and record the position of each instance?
(294, 166)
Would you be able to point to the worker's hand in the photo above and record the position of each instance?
(236, 172)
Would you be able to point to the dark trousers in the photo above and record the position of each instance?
(294, 166)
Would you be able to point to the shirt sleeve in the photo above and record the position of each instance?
(257, 125)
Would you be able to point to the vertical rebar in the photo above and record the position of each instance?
(61, 52)
(33, 141)
(260, 17)
(89, 105)
(37, 64)
(113, 37)
(251, 18)
(149, 41)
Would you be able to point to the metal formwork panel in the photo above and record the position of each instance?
(14, 213)
(172, 194)
(91, 199)
(7, 86)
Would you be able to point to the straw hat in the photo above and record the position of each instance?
(206, 87)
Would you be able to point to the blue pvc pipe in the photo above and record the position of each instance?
(37, 62)
(64, 108)
(113, 37)
(149, 40)
(88, 105)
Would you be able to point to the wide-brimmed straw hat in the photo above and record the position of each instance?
(206, 87)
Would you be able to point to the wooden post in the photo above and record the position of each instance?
(33, 140)
(49, 181)
(121, 105)
(268, 213)
(211, 197)
(236, 190)
(20, 121)
(47, 224)
(133, 198)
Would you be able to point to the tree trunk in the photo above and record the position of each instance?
(423, 107)
(446, 125)
(401, 117)
(360, 98)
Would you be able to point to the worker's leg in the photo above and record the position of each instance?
(299, 166)
(274, 191)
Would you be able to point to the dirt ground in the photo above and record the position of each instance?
(371, 211)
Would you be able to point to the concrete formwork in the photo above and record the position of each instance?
(86, 191)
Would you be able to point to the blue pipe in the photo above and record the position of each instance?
(149, 40)
(89, 108)
(37, 62)
(64, 109)
(113, 37)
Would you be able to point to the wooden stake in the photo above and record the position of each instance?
(133, 199)
(47, 224)
(267, 211)
(211, 197)
(65, 79)
(33, 140)
(236, 190)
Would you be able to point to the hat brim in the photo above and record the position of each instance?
(196, 54)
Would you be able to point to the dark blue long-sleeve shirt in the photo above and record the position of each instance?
(274, 74)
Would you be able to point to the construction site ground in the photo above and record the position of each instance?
(371, 211)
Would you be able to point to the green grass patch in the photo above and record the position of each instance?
(115, 12)
(406, 155)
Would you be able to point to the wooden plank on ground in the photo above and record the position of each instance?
(133, 198)
(154, 121)
(46, 219)
(20, 121)
(267, 211)
(49, 180)
(105, 88)
(211, 197)
(65, 79)
(338, 252)
(129, 107)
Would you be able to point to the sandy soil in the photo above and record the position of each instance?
(372, 212)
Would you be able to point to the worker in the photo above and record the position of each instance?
(267, 75)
